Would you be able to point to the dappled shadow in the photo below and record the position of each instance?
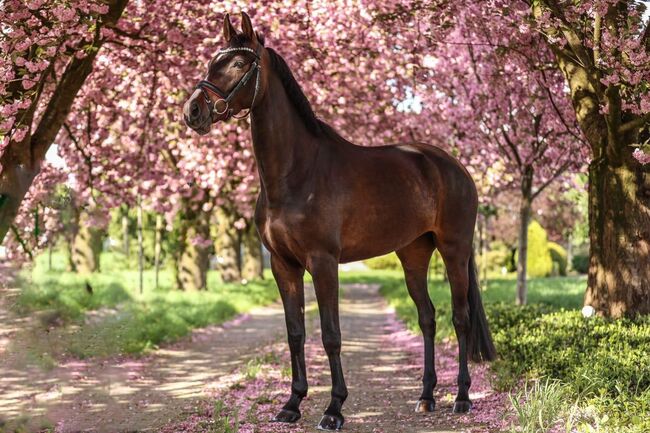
(120, 394)
(382, 363)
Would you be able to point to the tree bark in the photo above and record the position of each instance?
(227, 245)
(192, 255)
(524, 219)
(21, 161)
(619, 235)
(158, 246)
(619, 187)
(86, 245)
(140, 246)
(253, 261)
(125, 234)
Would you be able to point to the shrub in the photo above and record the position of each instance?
(538, 262)
(497, 257)
(602, 360)
(388, 261)
(559, 258)
(580, 263)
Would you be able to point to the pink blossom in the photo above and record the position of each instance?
(641, 156)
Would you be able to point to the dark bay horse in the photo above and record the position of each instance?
(325, 201)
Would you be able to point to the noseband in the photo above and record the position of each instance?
(227, 97)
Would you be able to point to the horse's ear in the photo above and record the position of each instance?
(228, 29)
(247, 26)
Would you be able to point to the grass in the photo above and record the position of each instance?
(552, 293)
(543, 405)
(116, 318)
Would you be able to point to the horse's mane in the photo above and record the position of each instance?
(294, 92)
(299, 100)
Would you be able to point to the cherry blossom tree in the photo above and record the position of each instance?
(507, 114)
(48, 50)
(601, 48)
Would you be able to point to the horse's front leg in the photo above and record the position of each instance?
(324, 270)
(289, 278)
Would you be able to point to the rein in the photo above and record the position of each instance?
(225, 98)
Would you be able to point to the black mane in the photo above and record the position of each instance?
(295, 93)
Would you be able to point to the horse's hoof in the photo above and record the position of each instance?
(331, 422)
(424, 405)
(287, 415)
(462, 406)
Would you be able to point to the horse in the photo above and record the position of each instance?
(325, 201)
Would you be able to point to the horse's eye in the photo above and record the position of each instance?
(239, 64)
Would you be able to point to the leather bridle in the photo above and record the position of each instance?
(225, 98)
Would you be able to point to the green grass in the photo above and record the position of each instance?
(130, 322)
(550, 293)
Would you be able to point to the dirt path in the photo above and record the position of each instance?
(382, 362)
(173, 389)
(115, 395)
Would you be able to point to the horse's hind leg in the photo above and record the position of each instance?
(415, 259)
(456, 256)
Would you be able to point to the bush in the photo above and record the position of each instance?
(602, 360)
(580, 263)
(559, 258)
(538, 262)
(389, 261)
(497, 257)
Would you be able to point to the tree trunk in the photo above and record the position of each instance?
(140, 246)
(193, 260)
(158, 246)
(569, 253)
(227, 245)
(125, 234)
(524, 220)
(86, 245)
(253, 262)
(49, 255)
(619, 234)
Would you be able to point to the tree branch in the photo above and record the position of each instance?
(634, 124)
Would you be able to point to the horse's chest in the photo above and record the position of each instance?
(286, 231)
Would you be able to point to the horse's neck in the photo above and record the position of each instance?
(284, 149)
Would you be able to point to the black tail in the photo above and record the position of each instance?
(480, 345)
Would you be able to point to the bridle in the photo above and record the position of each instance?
(205, 85)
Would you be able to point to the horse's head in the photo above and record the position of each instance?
(234, 81)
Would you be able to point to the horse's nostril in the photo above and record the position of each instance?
(194, 110)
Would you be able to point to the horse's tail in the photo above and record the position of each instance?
(480, 345)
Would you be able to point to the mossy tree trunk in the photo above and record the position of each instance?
(86, 244)
(157, 249)
(228, 247)
(619, 235)
(253, 260)
(125, 232)
(193, 255)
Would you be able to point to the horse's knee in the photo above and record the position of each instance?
(296, 340)
(332, 343)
